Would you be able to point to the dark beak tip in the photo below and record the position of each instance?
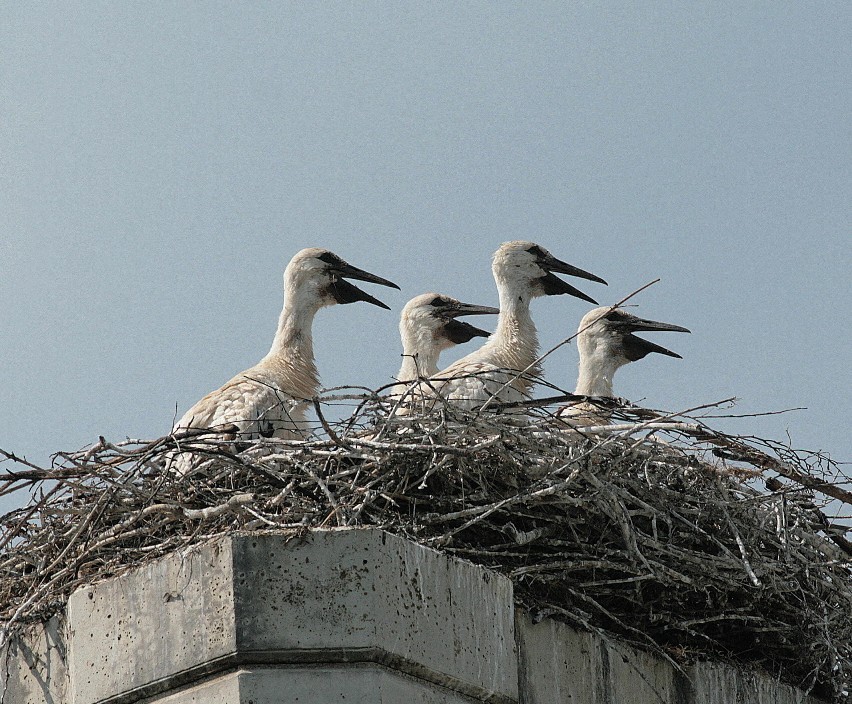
(552, 285)
(353, 272)
(380, 281)
(641, 325)
(561, 267)
(471, 309)
(577, 293)
(638, 347)
(367, 298)
(343, 293)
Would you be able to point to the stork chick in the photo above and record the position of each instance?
(427, 327)
(606, 342)
(506, 364)
(269, 399)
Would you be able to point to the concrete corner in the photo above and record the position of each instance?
(331, 598)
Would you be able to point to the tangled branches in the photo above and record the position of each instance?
(651, 527)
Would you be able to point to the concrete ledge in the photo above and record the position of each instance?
(331, 597)
(367, 684)
(337, 615)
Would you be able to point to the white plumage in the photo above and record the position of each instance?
(427, 327)
(270, 398)
(606, 342)
(505, 365)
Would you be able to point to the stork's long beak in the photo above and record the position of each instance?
(344, 292)
(459, 309)
(634, 324)
(554, 286)
(459, 332)
(347, 271)
(551, 263)
(636, 347)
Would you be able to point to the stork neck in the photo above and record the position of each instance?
(515, 341)
(420, 352)
(294, 329)
(416, 365)
(596, 373)
(293, 345)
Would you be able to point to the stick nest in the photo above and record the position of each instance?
(655, 528)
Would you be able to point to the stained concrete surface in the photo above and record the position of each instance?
(328, 597)
(337, 616)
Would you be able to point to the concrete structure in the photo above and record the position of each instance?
(335, 616)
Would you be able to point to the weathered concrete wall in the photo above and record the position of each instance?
(714, 683)
(334, 597)
(33, 667)
(560, 664)
(355, 615)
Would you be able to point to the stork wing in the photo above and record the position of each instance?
(252, 407)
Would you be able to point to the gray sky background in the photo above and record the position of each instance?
(161, 163)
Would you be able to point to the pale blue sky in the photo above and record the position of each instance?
(162, 161)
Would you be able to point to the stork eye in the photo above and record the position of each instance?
(437, 301)
(536, 251)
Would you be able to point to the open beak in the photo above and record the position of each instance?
(456, 331)
(344, 292)
(347, 271)
(554, 286)
(459, 332)
(636, 347)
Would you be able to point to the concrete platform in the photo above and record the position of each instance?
(364, 683)
(330, 598)
(336, 616)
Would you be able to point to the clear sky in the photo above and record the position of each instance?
(162, 161)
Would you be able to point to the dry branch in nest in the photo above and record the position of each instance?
(651, 528)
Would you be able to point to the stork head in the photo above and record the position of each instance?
(529, 269)
(318, 277)
(607, 334)
(428, 321)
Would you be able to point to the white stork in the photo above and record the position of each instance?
(505, 365)
(269, 399)
(606, 342)
(427, 327)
